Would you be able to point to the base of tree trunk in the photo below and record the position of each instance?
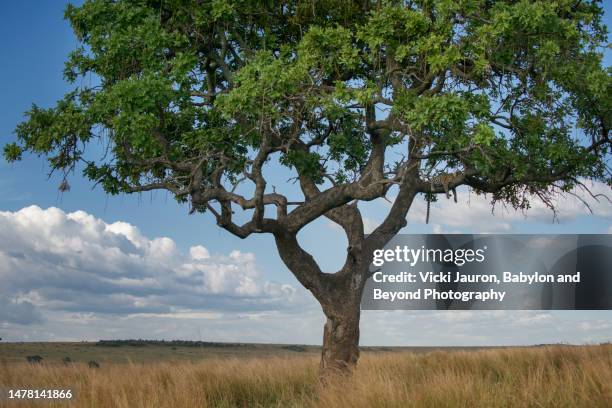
(340, 346)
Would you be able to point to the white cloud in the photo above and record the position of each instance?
(475, 212)
(198, 252)
(52, 260)
(486, 328)
(71, 276)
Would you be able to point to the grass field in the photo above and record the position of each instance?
(143, 352)
(84, 352)
(277, 376)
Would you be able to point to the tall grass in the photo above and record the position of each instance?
(556, 376)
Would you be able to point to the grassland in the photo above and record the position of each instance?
(550, 376)
(144, 353)
(140, 351)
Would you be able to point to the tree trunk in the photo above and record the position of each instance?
(340, 342)
(339, 295)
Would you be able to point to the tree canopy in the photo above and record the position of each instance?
(193, 95)
(354, 97)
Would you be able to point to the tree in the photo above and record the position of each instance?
(357, 99)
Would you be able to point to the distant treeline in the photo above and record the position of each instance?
(170, 343)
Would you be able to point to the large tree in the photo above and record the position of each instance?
(357, 99)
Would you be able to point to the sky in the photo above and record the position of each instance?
(85, 266)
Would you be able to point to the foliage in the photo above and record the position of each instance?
(517, 87)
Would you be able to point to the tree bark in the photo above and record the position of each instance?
(340, 342)
(339, 293)
(341, 304)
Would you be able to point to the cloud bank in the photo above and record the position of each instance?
(474, 212)
(74, 262)
(72, 276)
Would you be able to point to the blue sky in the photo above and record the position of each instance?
(35, 41)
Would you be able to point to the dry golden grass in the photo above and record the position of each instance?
(556, 376)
